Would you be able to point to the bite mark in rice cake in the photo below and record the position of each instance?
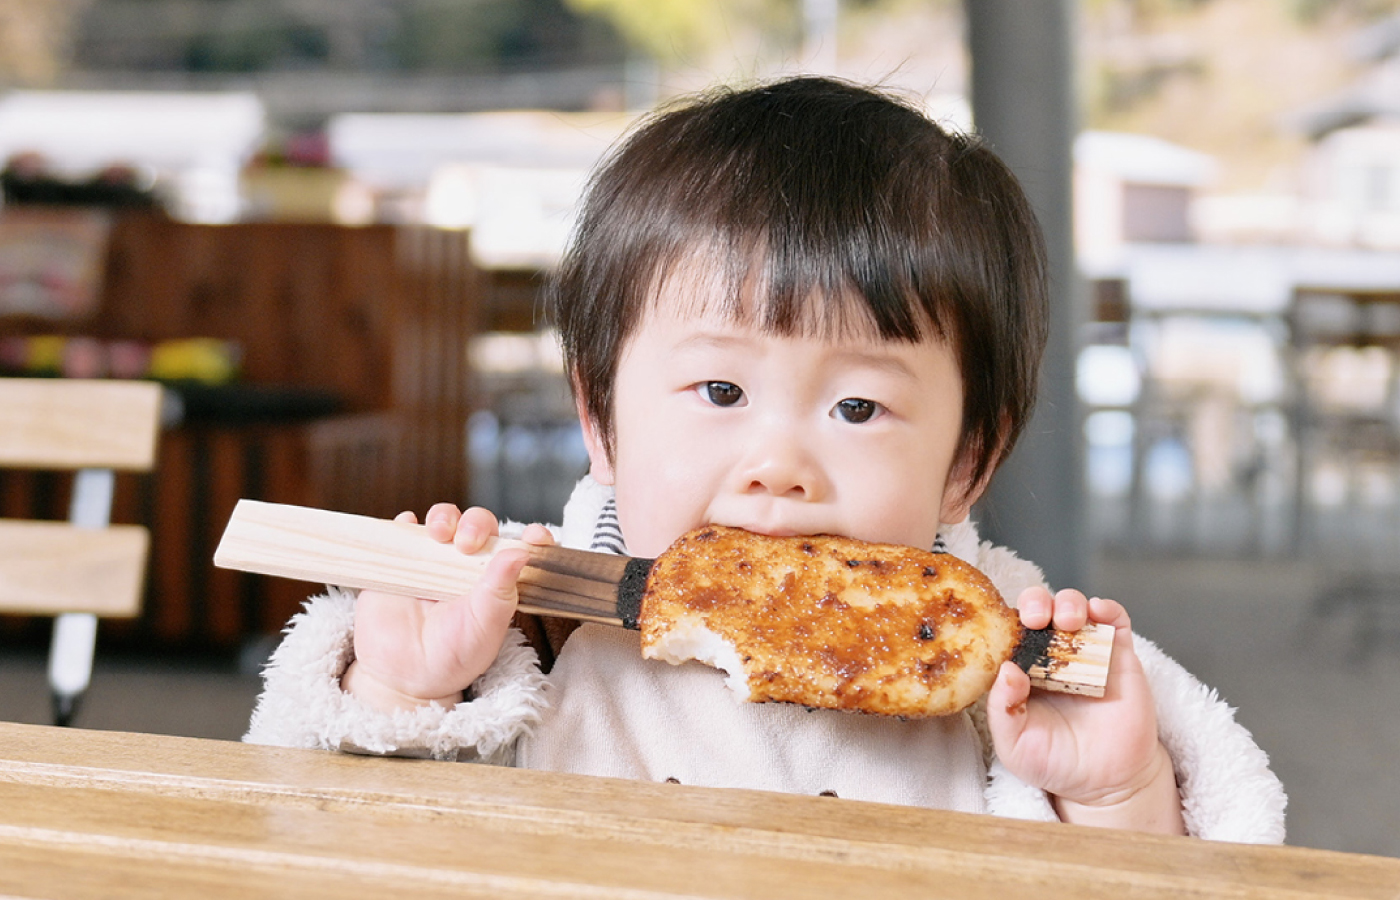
(829, 622)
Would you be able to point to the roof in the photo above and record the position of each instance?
(1258, 280)
(1143, 159)
(398, 149)
(1375, 95)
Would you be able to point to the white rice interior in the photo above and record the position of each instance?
(690, 639)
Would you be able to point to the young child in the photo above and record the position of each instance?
(800, 308)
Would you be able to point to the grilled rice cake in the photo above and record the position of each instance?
(829, 622)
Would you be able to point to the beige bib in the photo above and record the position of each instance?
(613, 713)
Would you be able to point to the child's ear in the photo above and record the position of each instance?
(599, 465)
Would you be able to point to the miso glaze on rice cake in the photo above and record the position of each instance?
(829, 622)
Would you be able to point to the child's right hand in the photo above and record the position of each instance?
(410, 651)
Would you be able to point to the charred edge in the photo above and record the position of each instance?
(630, 588)
(1034, 648)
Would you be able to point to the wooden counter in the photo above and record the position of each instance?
(103, 814)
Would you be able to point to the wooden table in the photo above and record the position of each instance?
(104, 814)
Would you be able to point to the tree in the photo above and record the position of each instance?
(669, 30)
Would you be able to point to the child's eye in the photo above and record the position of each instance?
(723, 393)
(856, 411)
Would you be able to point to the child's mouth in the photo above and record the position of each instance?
(770, 530)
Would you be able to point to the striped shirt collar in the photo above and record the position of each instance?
(607, 533)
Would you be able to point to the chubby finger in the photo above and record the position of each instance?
(1071, 610)
(1035, 607)
(441, 521)
(474, 528)
(407, 517)
(467, 632)
(500, 575)
(1007, 710)
(1109, 612)
(494, 598)
(1125, 659)
(538, 535)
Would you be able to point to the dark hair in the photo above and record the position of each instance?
(844, 205)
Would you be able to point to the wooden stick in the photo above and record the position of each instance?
(1072, 662)
(325, 547)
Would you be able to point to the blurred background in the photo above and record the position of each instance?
(323, 224)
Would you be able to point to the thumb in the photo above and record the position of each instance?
(1007, 711)
(494, 599)
(468, 632)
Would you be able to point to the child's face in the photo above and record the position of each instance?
(719, 422)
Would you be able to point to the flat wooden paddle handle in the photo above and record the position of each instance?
(325, 547)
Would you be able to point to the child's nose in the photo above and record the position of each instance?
(783, 465)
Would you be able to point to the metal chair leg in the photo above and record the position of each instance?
(70, 662)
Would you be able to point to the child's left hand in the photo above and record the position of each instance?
(1099, 758)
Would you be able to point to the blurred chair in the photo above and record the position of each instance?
(86, 567)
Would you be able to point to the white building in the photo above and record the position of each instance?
(1132, 189)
